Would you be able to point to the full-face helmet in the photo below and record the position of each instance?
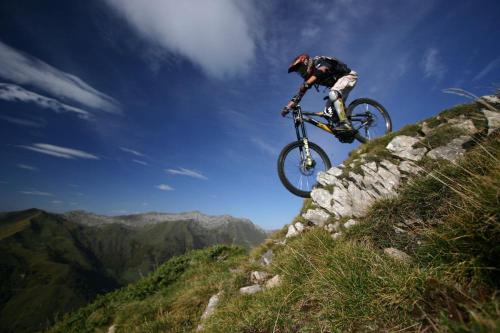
(301, 65)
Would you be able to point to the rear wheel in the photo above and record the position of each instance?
(369, 118)
(296, 173)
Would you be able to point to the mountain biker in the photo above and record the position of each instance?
(329, 72)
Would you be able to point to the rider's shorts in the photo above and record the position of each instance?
(345, 84)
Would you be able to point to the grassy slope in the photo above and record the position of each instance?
(450, 228)
(171, 299)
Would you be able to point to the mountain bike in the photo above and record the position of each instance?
(300, 161)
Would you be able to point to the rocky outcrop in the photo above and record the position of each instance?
(348, 191)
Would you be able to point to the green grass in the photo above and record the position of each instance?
(171, 299)
(349, 285)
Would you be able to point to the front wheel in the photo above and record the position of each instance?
(369, 118)
(296, 172)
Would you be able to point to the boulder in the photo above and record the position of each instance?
(212, 304)
(258, 277)
(335, 171)
(402, 146)
(267, 258)
(317, 216)
(397, 255)
(493, 119)
(292, 231)
(350, 223)
(452, 151)
(275, 281)
(250, 290)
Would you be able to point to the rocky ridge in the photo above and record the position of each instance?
(347, 191)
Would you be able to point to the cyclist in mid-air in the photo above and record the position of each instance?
(329, 72)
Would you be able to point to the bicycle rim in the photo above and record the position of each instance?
(295, 174)
(370, 119)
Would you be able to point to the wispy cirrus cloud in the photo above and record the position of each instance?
(265, 146)
(23, 122)
(487, 69)
(34, 192)
(164, 187)
(27, 167)
(59, 151)
(186, 172)
(140, 162)
(15, 93)
(131, 151)
(432, 65)
(225, 30)
(25, 69)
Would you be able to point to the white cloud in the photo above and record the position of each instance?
(23, 122)
(24, 69)
(310, 32)
(140, 162)
(131, 151)
(488, 68)
(27, 167)
(432, 65)
(186, 172)
(45, 194)
(265, 146)
(164, 187)
(56, 202)
(12, 92)
(58, 151)
(217, 35)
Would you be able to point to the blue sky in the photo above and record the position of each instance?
(124, 106)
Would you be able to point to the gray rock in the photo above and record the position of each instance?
(360, 200)
(491, 99)
(463, 124)
(267, 258)
(409, 167)
(292, 231)
(317, 216)
(336, 235)
(402, 146)
(452, 151)
(398, 230)
(275, 281)
(357, 178)
(211, 306)
(258, 277)
(392, 168)
(322, 198)
(371, 165)
(426, 129)
(493, 120)
(325, 178)
(112, 329)
(299, 227)
(249, 290)
(397, 255)
(350, 223)
(335, 171)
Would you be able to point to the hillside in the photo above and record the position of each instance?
(52, 263)
(390, 241)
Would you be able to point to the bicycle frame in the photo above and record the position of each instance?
(300, 117)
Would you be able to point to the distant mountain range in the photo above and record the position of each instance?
(55, 263)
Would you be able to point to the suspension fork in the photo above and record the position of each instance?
(300, 131)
